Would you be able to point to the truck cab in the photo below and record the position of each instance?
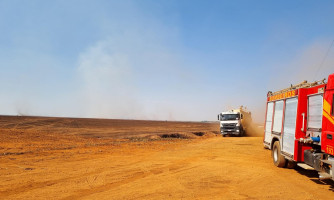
(230, 123)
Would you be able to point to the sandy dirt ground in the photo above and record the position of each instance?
(59, 158)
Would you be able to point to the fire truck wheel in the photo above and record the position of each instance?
(291, 164)
(278, 159)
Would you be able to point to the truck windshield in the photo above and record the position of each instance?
(229, 117)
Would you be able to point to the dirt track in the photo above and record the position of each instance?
(50, 158)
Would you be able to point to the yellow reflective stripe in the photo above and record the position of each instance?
(327, 107)
(328, 117)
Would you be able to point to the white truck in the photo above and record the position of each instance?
(234, 122)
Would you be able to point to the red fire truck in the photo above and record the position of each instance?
(299, 126)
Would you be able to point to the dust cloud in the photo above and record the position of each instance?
(255, 130)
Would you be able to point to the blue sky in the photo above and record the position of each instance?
(162, 60)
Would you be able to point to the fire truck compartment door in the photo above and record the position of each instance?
(278, 117)
(315, 112)
(269, 119)
(289, 127)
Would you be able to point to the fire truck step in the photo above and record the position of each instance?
(305, 166)
(326, 161)
(324, 175)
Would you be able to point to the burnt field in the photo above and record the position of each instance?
(68, 158)
(104, 128)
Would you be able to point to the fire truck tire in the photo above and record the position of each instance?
(278, 158)
(291, 164)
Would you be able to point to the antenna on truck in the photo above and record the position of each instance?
(324, 59)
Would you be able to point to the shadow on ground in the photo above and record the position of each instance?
(314, 176)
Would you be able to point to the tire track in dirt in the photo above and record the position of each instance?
(38, 185)
(174, 167)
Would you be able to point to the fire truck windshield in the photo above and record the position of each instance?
(229, 117)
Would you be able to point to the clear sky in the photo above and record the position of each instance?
(161, 60)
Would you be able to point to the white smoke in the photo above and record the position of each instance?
(131, 78)
(108, 89)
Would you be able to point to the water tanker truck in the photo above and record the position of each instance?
(299, 126)
(234, 122)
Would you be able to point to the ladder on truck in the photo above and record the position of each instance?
(303, 84)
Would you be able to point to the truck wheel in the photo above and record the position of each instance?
(241, 134)
(278, 159)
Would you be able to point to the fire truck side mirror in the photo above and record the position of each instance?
(218, 117)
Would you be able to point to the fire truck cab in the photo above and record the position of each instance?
(299, 126)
